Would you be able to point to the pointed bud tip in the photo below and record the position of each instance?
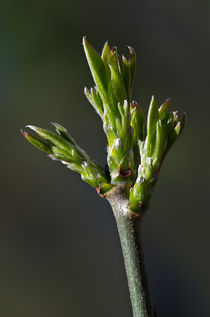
(152, 99)
(124, 59)
(32, 127)
(52, 157)
(24, 133)
(166, 102)
(86, 91)
(55, 124)
(107, 44)
(86, 44)
(114, 49)
(133, 104)
(84, 40)
(131, 50)
(164, 106)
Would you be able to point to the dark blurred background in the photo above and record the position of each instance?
(60, 253)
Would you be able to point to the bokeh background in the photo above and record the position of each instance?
(59, 247)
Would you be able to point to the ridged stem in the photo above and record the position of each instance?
(128, 224)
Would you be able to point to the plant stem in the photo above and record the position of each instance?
(128, 224)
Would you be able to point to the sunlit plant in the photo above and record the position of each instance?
(135, 153)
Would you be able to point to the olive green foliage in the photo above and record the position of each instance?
(136, 146)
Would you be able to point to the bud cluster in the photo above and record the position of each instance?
(136, 146)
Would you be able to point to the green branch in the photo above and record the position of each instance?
(129, 224)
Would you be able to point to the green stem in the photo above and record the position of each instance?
(128, 224)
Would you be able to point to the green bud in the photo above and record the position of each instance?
(131, 66)
(137, 122)
(43, 146)
(63, 147)
(152, 118)
(120, 156)
(140, 195)
(95, 100)
(139, 128)
(63, 132)
(163, 110)
(98, 70)
(159, 144)
(114, 77)
(175, 133)
(106, 54)
(52, 137)
(163, 129)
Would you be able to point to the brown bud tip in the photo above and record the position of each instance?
(131, 50)
(84, 39)
(98, 189)
(133, 104)
(167, 101)
(164, 106)
(123, 173)
(124, 59)
(100, 192)
(24, 133)
(114, 49)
